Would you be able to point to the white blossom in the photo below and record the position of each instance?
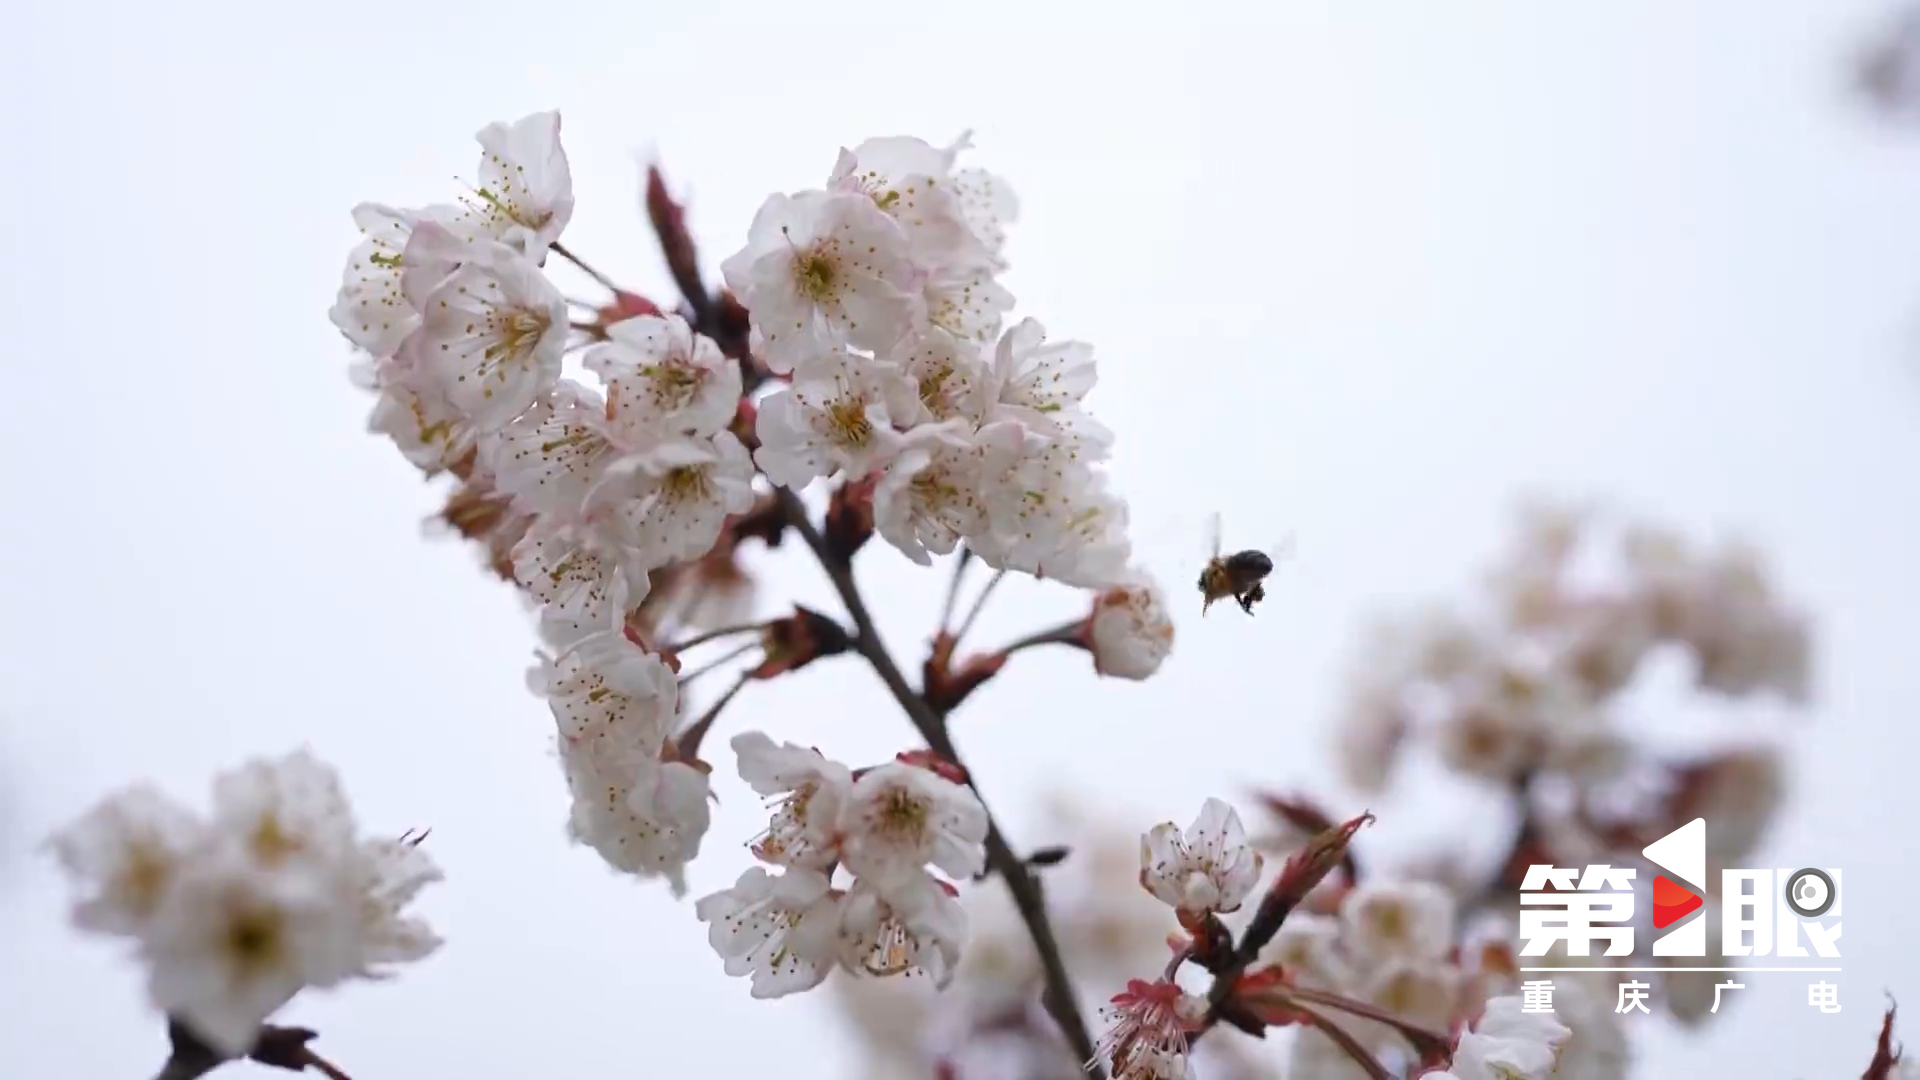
(1050, 514)
(1210, 868)
(781, 930)
(491, 332)
(1508, 1044)
(663, 379)
(235, 914)
(525, 194)
(233, 942)
(837, 416)
(124, 854)
(1310, 948)
(583, 575)
(807, 792)
(552, 455)
(1130, 630)
(951, 380)
(413, 411)
(912, 182)
(606, 690)
(1406, 920)
(822, 270)
(390, 875)
(1042, 385)
(900, 817)
(928, 499)
(913, 924)
(673, 498)
(642, 816)
(372, 310)
(1053, 516)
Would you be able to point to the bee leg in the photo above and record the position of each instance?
(1246, 602)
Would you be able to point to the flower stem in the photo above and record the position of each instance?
(689, 741)
(960, 561)
(979, 605)
(714, 635)
(1067, 633)
(1059, 999)
(730, 656)
(604, 281)
(1360, 1054)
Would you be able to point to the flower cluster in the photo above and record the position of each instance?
(235, 913)
(1525, 691)
(616, 706)
(864, 343)
(1525, 698)
(885, 826)
(877, 299)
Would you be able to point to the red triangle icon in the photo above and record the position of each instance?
(1672, 902)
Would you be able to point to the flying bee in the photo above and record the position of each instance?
(1238, 575)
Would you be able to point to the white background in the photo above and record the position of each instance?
(1364, 276)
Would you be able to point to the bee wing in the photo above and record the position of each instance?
(1213, 536)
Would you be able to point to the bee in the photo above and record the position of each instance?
(1238, 575)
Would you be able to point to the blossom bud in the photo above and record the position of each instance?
(625, 306)
(946, 687)
(669, 220)
(849, 521)
(745, 425)
(933, 763)
(798, 640)
(1304, 870)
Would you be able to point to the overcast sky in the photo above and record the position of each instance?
(1362, 276)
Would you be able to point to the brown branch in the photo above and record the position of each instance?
(280, 1047)
(1059, 999)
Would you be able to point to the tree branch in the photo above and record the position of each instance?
(1059, 999)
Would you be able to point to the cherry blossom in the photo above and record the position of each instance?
(524, 198)
(554, 453)
(1042, 385)
(663, 379)
(780, 930)
(899, 818)
(928, 499)
(1509, 1044)
(236, 913)
(913, 925)
(1147, 1022)
(491, 333)
(822, 270)
(807, 792)
(1410, 920)
(1130, 631)
(1210, 868)
(124, 854)
(585, 576)
(672, 498)
(837, 416)
(608, 690)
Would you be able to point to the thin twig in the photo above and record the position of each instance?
(712, 635)
(1059, 999)
(960, 562)
(727, 658)
(1065, 634)
(689, 740)
(979, 605)
(603, 280)
(1360, 1054)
